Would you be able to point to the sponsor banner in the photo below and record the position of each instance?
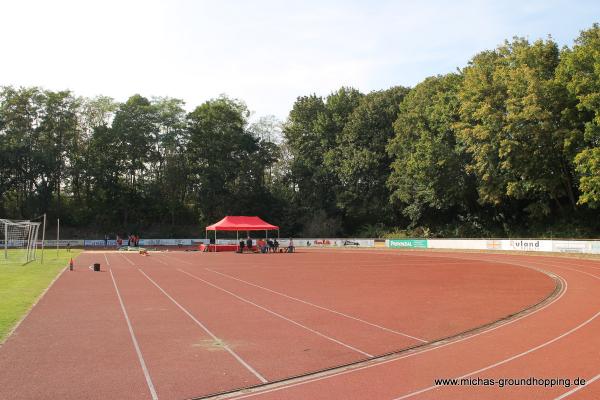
(408, 243)
(231, 241)
(94, 243)
(380, 243)
(527, 245)
(100, 243)
(469, 244)
(312, 242)
(335, 242)
(594, 247)
(493, 244)
(175, 242)
(143, 242)
(61, 243)
(564, 246)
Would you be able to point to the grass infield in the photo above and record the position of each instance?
(22, 285)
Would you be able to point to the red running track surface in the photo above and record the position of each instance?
(181, 325)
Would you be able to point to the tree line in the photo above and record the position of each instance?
(509, 145)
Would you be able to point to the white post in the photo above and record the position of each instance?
(43, 238)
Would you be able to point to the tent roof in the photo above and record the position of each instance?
(240, 223)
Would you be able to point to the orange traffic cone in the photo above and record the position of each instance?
(71, 265)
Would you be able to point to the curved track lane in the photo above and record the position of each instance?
(560, 340)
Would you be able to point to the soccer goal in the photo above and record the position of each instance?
(19, 241)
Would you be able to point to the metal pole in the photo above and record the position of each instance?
(6, 241)
(29, 239)
(57, 234)
(43, 238)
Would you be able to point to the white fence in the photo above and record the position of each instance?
(529, 245)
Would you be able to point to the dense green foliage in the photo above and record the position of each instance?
(509, 145)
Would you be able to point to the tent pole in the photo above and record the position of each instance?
(215, 240)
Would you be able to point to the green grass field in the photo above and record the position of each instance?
(21, 285)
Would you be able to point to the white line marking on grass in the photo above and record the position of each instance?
(135, 343)
(201, 325)
(318, 306)
(416, 353)
(507, 359)
(279, 315)
(570, 392)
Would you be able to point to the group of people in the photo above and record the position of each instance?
(264, 245)
(134, 241)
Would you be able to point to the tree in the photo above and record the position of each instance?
(310, 132)
(59, 134)
(428, 175)
(511, 122)
(20, 112)
(227, 163)
(579, 70)
(360, 162)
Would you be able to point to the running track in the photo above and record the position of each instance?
(46, 359)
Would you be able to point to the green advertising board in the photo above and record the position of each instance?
(407, 243)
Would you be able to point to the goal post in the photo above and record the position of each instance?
(19, 241)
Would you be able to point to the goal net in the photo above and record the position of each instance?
(19, 241)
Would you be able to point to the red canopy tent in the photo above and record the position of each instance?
(241, 223)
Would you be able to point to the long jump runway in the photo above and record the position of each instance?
(311, 325)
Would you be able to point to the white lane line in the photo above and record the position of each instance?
(135, 343)
(279, 315)
(416, 353)
(544, 264)
(106, 258)
(128, 260)
(570, 392)
(161, 261)
(318, 306)
(201, 325)
(506, 360)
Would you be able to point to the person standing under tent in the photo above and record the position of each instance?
(241, 247)
(275, 246)
(249, 244)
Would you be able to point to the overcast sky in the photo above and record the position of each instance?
(266, 53)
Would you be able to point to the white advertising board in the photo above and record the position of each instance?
(527, 245)
(474, 244)
(61, 243)
(570, 246)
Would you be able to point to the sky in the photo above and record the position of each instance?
(266, 53)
